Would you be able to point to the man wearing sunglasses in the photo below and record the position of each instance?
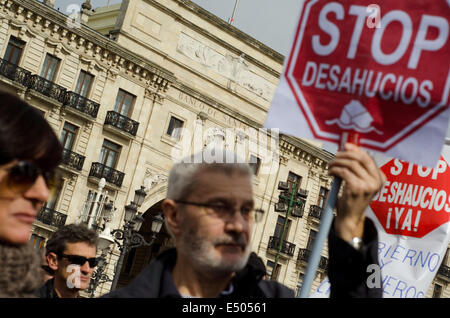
(71, 254)
(210, 213)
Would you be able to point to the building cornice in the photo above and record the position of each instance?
(231, 29)
(304, 151)
(223, 26)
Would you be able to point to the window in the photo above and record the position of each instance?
(437, 292)
(175, 126)
(312, 237)
(279, 227)
(38, 241)
(323, 193)
(84, 83)
(255, 164)
(14, 50)
(68, 135)
(56, 186)
(124, 102)
(270, 266)
(301, 277)
(109, 154)
(89, 205)
(49, 68)
(293, 178)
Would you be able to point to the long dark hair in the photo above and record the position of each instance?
(26, 135)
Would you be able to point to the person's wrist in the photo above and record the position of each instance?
(348, 228)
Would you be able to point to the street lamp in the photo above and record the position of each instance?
(98, 277)
(287, 202)
(128, 237)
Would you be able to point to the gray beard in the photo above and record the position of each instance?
(202, 258)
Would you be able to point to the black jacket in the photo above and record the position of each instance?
(156, 282)
(347, 273)
(47, 290)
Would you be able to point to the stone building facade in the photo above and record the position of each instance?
(115, 84)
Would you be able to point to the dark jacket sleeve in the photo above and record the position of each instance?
(347, 269)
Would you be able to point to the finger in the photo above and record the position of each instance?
(352, 182)
(357, 175)
(353, 165)
(355, 153)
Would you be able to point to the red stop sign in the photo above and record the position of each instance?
(415, 200)
(381, 70)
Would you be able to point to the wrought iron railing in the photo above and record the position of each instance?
(298, 210)
(121, 122)
(51, 217)
(304, 253)
(47, 88)
(111, 175)
(72, 159)
(315, 211)
(286, 248)
(14, 72)
(82, 104)
(303, 193)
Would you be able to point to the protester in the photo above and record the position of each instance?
(212, 241)
(71, 255)
(47, 272)
(29, 152)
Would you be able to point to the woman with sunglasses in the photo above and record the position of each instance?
(29, 152)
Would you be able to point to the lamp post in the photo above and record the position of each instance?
(128, 237)
(105, 240)
(280, 207)
(98, 277)
(92, 217)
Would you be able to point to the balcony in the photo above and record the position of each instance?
(47, 88)
(303, 256)
(297, 211)
(72, 159)
(14, 72)
(315, 211)
(111, 175)
(122, 123)
(51, 217)
(286, 248)
(302, 193)
(444, 272)
(82, 104)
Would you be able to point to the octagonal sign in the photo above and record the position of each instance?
(382, 70)
(415, 200)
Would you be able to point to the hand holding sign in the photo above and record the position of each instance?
(389, 81)
(362, 180)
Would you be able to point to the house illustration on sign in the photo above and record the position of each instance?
(356, 117)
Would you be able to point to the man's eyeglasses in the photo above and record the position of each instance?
(81, 260)
(25, 173)
(223, 211)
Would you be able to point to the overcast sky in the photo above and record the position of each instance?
(271, 22)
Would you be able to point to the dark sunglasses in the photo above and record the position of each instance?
(81, 260)
(25, 173)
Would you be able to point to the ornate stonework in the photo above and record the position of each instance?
(233, 68)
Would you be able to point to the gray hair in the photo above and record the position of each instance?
(183, 174)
